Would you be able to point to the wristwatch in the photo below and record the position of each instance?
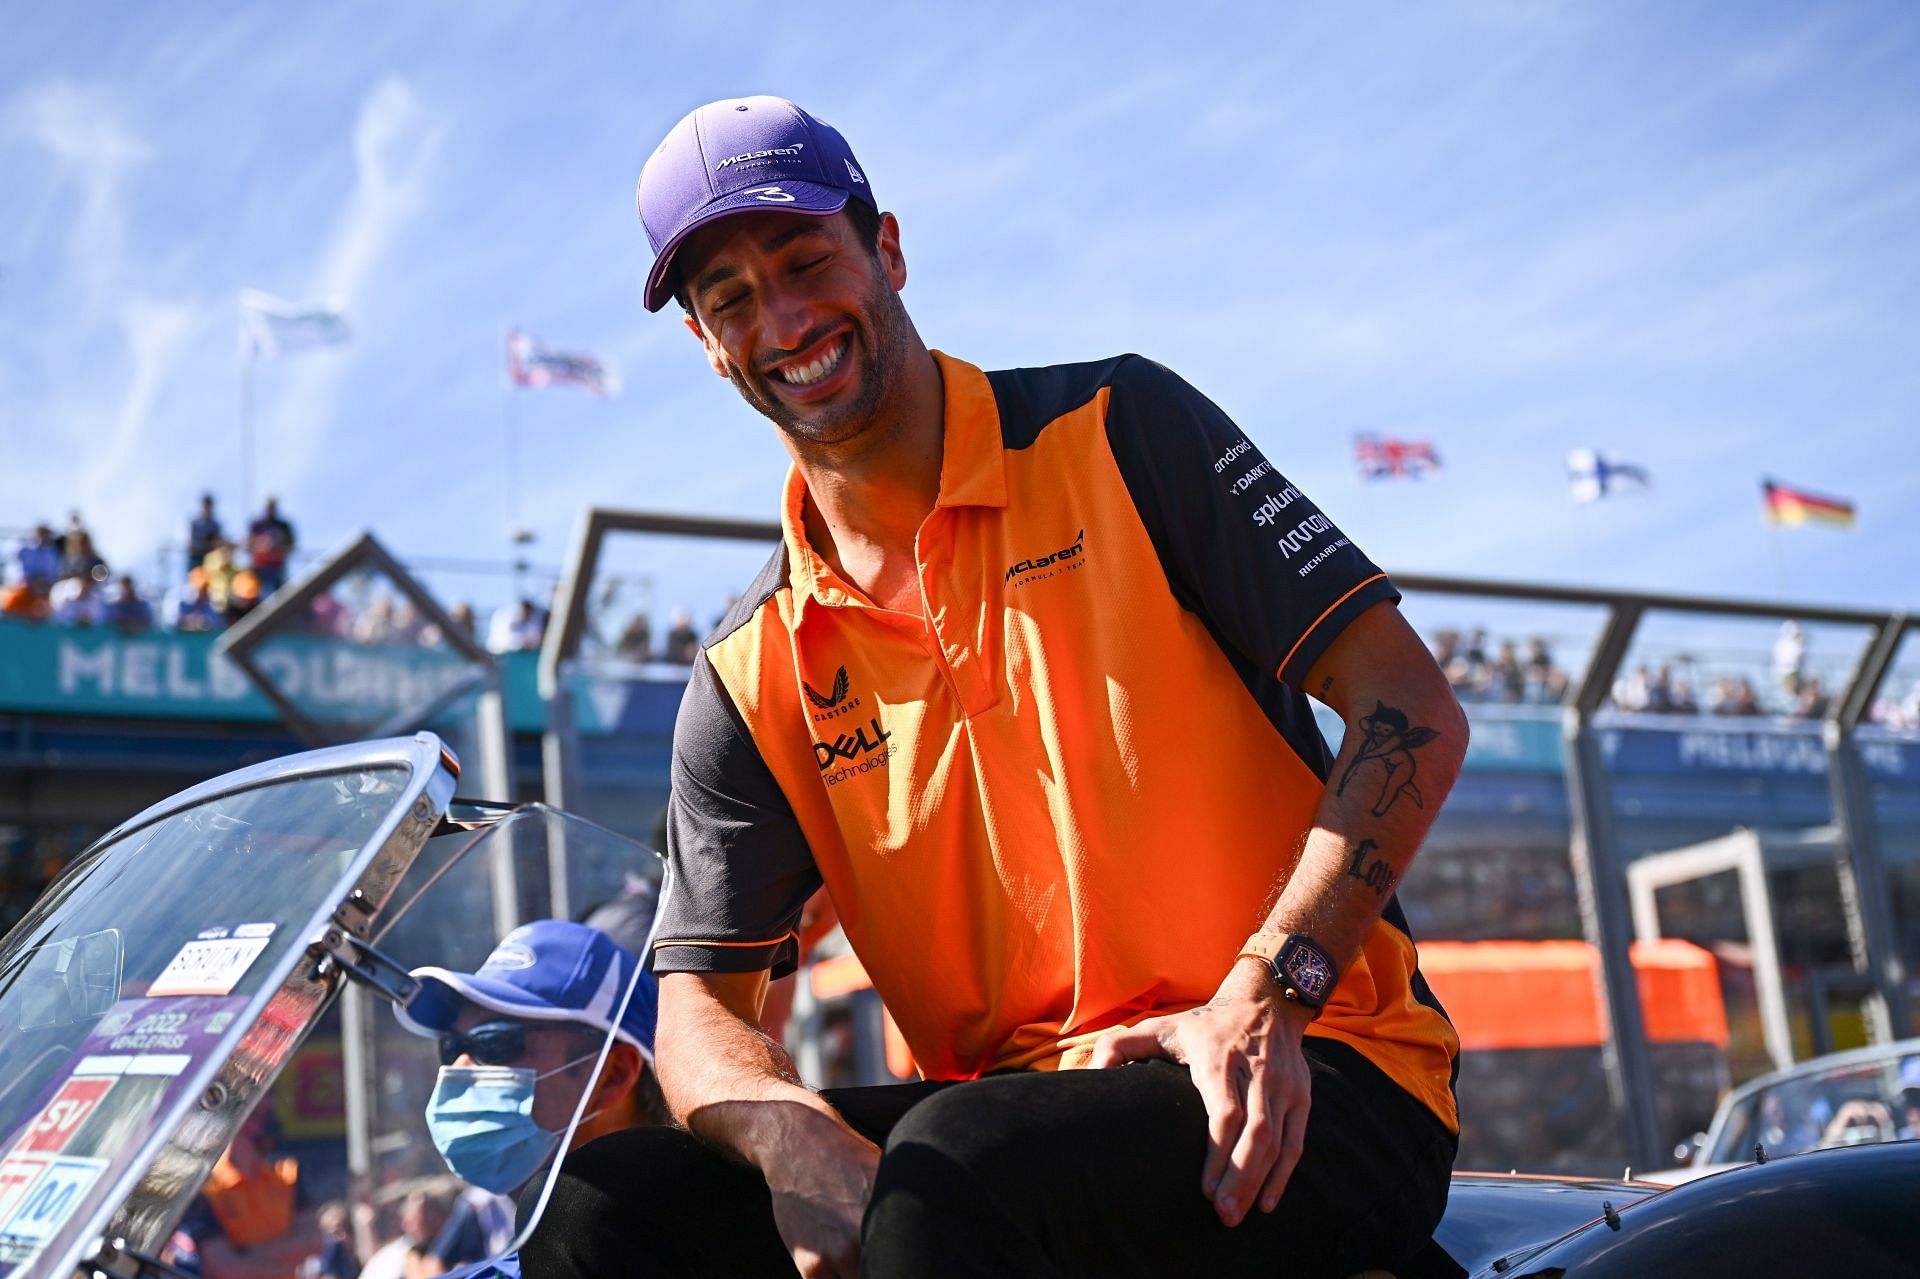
(1302, 966)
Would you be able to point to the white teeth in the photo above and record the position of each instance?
(807, 374)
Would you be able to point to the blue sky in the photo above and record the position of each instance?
(1688, 234)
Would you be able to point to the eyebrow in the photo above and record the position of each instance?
(802, 226)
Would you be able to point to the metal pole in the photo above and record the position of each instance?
(357, 1065)
(1600, 882)
(1866, 895)
(494, 738)
(246, 435)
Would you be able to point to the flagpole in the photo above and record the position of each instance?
(246, 430)
(509, 425)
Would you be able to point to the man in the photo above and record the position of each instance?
(518, 1039)
(1025, 690)
(269, 544)
(203, 533)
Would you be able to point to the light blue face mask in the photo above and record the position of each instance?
(481, 1120)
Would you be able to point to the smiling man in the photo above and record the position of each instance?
(1025, 689)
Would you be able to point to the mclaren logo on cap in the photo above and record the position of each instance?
(768, 154)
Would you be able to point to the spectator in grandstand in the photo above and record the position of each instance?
(203, 533)
(190, 608)
(516, 627)
(1684, 702)
(1812, 701)
(1545, 681)
(1789, 657)
(636, 639)
(77, 556)
(682, 645)
(126, 612)
(24, 599)
(1505, 681)
(1634, 692)
(269, 543)
(77, 601)
(1735, 697)
(326, 615)
(39, 557)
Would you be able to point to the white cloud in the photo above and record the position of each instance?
(93, 150)
(395, 145)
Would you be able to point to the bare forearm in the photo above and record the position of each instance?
(1404, 743)
(728, 1081)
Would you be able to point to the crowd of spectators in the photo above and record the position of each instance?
(63, 579)
(1500, 673)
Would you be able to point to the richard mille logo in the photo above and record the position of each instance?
(833, 704)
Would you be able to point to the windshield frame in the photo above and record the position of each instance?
(150, 1188)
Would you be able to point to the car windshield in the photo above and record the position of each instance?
(136, 966)
(1843, 1105)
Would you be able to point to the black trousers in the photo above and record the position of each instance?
(1043, 1174)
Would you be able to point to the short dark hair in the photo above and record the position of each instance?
(866, 229)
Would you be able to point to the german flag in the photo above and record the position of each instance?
(1788, 505)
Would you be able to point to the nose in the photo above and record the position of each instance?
(465, 1059)
(787, 315)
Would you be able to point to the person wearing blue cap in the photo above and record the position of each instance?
(518, 1040)
(1025, 690)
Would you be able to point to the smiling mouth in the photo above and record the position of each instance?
(813, 370)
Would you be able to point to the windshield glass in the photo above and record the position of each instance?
(134, 970)
(505, 985)
(1865, 1101)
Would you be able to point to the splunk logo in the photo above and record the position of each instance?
(1060, 557)
(848, 748)
(1268, 512)
(1303, 535)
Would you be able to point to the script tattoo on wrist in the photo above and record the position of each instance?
(1375, 874)
(1389, 741)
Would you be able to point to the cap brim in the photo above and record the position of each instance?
(436, 1005)
(812, 198)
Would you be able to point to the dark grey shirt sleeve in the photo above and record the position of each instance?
(738, 867)
(1242, 546)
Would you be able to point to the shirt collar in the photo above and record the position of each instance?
(973, 472)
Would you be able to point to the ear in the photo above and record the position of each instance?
(714, 359)
(886, 246)
(619, 1076)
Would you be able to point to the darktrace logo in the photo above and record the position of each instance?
(834, 704)
(851, 754)
(1042, 567)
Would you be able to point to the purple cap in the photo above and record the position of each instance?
(735, 155)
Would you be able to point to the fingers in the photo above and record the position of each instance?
(1130, 1043)
(1293, 1138)
(1225, 1101)
(1252, 1153)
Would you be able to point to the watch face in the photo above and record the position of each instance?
(1307, 969)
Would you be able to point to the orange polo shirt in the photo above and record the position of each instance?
(1058, 796)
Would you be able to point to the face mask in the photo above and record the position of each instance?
(481, 1121)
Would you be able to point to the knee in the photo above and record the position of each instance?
(625, 1185)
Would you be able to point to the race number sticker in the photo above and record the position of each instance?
(46, 1206)
(60, 1118)
(214, 962)
(18, 1173)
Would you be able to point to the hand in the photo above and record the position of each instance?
(1243, 1051)
(821, 1180)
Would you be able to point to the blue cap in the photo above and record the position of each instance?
(549, 970)
(735, 156)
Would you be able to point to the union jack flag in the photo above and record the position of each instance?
(1381, 457)
(531, 364)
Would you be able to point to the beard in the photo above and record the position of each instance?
(881, 337)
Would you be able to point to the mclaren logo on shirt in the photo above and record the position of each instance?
(1044, 566)
(834, 704)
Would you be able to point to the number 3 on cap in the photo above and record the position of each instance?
(773, 195)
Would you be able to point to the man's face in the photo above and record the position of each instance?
(805, 321)
(550, 1047)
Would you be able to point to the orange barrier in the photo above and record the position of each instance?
(1540, 994)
